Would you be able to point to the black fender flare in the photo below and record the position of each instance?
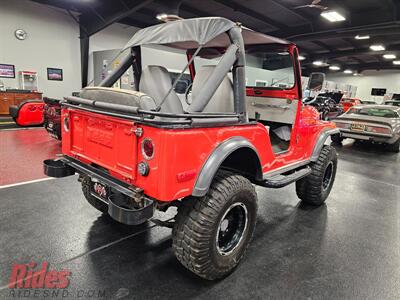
(216, 158)
(323, 136)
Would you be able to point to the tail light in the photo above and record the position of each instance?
(379, 130)
(147, 149)
(341, 125)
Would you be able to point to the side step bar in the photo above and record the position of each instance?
(279, 181)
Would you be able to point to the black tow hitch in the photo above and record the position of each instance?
(126, 204)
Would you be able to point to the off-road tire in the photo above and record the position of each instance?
(311, 189)
(198, 222)
(395, 147)
(336, 138)
(96, 203)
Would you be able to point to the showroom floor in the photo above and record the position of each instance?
(348, 248)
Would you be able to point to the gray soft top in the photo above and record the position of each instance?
(191, 33)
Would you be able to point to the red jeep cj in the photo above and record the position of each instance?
(202, 151)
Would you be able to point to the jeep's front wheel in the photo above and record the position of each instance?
(212, 233)
(315, 188)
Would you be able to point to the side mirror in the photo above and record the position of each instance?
(316, 82)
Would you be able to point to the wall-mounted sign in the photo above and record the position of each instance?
(7, 71)
(54, 74)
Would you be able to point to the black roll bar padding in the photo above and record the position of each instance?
(238, 72)
(118, 72)
(104, 105)
(215, 79)
(136, 118)
(136, 110)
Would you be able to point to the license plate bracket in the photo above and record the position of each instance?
(100, 190)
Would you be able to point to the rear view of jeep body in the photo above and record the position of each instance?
(234, 126)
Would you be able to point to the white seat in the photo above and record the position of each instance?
(156, 82)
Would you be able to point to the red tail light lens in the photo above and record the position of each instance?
(379, 130)
(147, 149)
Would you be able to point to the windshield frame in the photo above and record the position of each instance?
(273, 48)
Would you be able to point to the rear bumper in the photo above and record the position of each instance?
(367, 136)
(68, 166)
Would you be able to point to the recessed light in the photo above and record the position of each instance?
(332, 16)
(348, 71)
(318, 63)
(161, 17)
(334, 68)
(167, 18)
(362, 37)
(389, 56)
(301, 57)
(396, 62)
(377, 47)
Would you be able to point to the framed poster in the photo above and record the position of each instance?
(54, 74)
(7, 71)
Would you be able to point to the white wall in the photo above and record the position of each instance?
(53, 41)
(112, 37)
(389, 79)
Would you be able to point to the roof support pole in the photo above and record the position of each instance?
(84, 43)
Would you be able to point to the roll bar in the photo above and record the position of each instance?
(234, 58)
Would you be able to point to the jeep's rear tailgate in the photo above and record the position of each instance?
(108, 142)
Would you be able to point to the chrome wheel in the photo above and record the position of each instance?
(231, 228)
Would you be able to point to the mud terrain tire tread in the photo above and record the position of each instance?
(197, 222)
(309, 189)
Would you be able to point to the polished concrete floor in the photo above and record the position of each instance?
(346, 249)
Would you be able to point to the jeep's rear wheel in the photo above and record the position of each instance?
(212, 233)
(315, 188)
(96, 203)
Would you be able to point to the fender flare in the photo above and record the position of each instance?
(321, 141)
(214, 161)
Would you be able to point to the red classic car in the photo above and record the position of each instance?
(347, 103)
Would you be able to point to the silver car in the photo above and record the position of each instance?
(375, 123)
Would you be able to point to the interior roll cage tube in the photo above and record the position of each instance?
(234, 57)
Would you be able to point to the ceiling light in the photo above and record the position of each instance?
(356, 74)
(396, 62)
(377, 48)
(389, 56)
(334, 68)
(362, 37)
(301, 57)
(332, 16)
(318, 63)
(348, 71)
(168, 17)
